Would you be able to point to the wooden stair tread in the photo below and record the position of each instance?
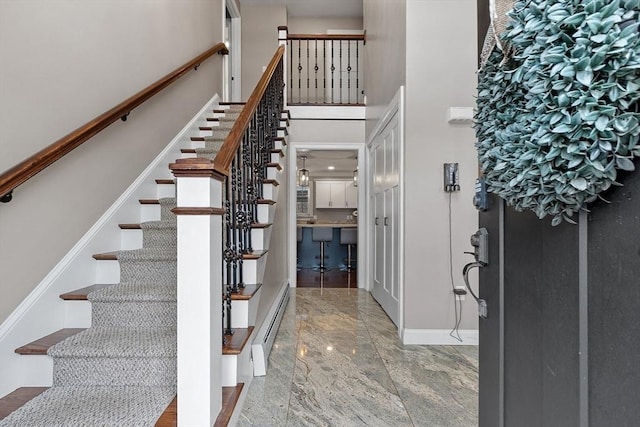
(254, 255)
(246, 293)
(277, 151)
(236, 342)
(287, 112)
(41, 345)
(165, 181)
(282, 139)
(169, 417)
(106, 256)
(230, 396)
(260, 225)
(266, 202)
(130, 226)
(188, 150)
(274, 165)
(231, 103)
(212, 119)
(271, 181)
(17, 398)
(81, 294)
(197, 138)
(149, 201)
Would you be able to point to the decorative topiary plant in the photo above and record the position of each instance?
(557, 118)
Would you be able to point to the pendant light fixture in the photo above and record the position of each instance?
(303, 174)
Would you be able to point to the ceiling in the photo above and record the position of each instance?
(317, 8)
(318, 161)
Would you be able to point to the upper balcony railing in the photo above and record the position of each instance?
(325, 69)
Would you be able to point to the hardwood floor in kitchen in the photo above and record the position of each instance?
(308, 278)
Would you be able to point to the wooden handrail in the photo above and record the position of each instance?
(20, 173)
(222, 161)
(325, 37)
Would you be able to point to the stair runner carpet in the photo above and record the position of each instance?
(122, 370)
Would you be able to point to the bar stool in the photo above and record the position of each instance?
(349, 237)
(299, 236)
(322, 235)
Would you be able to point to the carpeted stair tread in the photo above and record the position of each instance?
(135, 292)
(76, 406)
(168, 225)
(147, 254)
(118, 342)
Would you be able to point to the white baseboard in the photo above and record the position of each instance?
(438, 337)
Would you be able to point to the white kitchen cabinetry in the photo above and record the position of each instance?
(336, 195)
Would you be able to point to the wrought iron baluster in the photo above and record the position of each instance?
(357, 71)
(349, 72)
(324, 70)
(230, 251)
(340, 71)
(299, 71)
(290, 91)
(333, 68)
(308, 70)
(316, 70)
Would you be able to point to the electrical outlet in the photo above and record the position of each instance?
(460, 293)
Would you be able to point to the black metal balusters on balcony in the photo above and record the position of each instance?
(325, 69)
(247, 152)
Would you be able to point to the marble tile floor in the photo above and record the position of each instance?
(337, 361)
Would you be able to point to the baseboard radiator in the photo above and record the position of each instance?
(267, 334)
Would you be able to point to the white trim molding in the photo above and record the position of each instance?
(350, 112)
(438, 337)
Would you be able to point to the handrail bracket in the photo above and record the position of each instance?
(7, 197)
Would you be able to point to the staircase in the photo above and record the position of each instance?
(121, 370)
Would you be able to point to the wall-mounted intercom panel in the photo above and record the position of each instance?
(451, 178)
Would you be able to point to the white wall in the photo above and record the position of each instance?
(259, 40)
(440, 73)
(63, 63)
(385, 53)
(327, 131)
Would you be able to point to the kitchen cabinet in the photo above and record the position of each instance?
(338, 194)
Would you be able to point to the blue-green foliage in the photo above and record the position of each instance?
(558, 119)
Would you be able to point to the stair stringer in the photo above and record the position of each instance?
(42, 311)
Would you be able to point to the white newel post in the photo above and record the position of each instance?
(283, 32)
(199, 211)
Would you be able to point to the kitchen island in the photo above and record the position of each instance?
(335, 253)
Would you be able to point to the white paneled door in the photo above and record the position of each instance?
(385, 192)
